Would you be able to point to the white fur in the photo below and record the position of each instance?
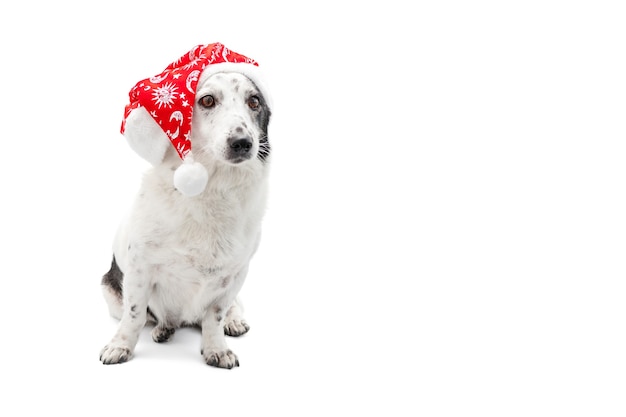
(187, 258)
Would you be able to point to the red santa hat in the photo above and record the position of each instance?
(163, 105)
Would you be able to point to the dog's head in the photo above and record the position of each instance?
(211, 99)
(230, 120)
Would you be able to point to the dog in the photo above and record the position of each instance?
(180, 261)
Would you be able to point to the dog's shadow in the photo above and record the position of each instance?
(184, 345)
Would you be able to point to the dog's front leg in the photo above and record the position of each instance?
(214, 348)
(122, 345)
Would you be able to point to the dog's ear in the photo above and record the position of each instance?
(145, 136)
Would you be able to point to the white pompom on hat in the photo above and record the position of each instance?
(161, 107)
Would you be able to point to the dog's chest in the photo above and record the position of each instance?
(203, 237)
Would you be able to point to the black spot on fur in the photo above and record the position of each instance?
(263, 120)
(152, 316)
(225, 281)
(113, 279)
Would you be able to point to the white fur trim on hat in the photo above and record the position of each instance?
(145, 136)
(249, 70)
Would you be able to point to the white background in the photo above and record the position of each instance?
(446, 229)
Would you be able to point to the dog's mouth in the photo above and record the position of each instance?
(238, 160)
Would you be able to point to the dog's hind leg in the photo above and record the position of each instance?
(162, 333)
(234, 323)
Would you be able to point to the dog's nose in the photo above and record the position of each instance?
(240, 146)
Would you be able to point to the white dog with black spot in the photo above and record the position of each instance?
(182, 255)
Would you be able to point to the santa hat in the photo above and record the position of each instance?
(160, 109)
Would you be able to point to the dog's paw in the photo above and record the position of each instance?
(162, 334)
(220, 359)
(236, 328)
(111, 354)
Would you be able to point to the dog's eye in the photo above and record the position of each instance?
(207, 101)
(254, 102)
